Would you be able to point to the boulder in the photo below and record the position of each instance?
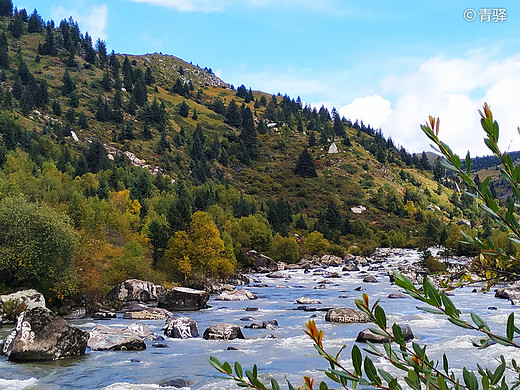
(350, 267)
(236, 295)
(154, 313)
(263, 325)
(278, 275)
(512, 293)
(396, 296)
(370, 279)
(223, 332)
(41, 335)
(13, 304)
(307, 301)
(346, 315)
(262, 263)
(76, 314)
(104, 315)
(181, 328)
(183, 298)
(135, 290)
(175, 383)
(143, 332)
(104, 338)
(366, 335)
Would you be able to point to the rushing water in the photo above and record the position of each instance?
(284, 352)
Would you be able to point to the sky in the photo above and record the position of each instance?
(390, 64)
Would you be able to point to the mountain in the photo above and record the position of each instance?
(152, 167)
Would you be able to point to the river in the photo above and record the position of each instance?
(283, 352)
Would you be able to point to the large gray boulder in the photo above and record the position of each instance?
(41, 335)
(104, 338)
(135, 290)
(183, 298)
(346, 315)
(223, 332)
(511, 292)
(181, 328)
(236, 295)
(366, 335)
(262, 263)
(152, 313)
(307, 301)
(273, 324)
(13, 304)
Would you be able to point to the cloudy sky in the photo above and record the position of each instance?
(388, 63)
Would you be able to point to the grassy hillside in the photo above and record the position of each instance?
(159, 141)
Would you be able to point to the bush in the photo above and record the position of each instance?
(315, 243)
(285, 249)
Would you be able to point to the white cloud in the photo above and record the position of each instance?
(454, 89)
(92, 20)
(373, 110)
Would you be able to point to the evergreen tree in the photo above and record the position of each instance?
(305, 166)
(35, 23)
(56, 107)
(131, 107)
(301, 224)
(68, 84)
(49, 46)
(6, 8)
(233, 117)
(179, 213)
(16, 26)
(4, 52)
(96, 157)
(140, 93)
(106, 83)
(248, 132)
(90, 53)
(184, 109)
(163, 143)
(101, 48)
(218, 106)
(82, 121)
(338, 127)
(158, 235)
(148, 78)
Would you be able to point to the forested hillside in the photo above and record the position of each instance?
(116, 166)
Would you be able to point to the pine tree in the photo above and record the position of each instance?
(6, 8)
(233, 117)
(179, 213)
(148, 78)
(16, 26)
(4, 52)
(106, 83)
(248, 132)
(184, 109)
(68, 84)
(35, 23)
(101, 48)
(140, 93)
(305, 166)
(338, 127)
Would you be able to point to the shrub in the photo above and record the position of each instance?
(315, 243)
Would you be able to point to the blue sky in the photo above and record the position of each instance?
(389, 63)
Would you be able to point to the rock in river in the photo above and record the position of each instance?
(223, 332)
(135, 290)
(307, 301)
(17, 302)
(183, 298)
(104, 338)
(181, 328)
(41, 335)
(366, 335)
(346, 315)
(236, 295)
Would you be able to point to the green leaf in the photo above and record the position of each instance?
(291, 387)
(510, 326)
(386, 375)
(458, 322)
(497, 375)
(445, 363)
(477, 320)
(398, 334)
(323, 386)
(356, 360)
(274, 384)
(238, 370)
(252, 376)
(380, 317)
(468, 163)
(470, 379)
(216, 363)
(441, 382)
(371, 372)
(430, 310)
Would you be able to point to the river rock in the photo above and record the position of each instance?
(135, 290)
(13, 304)
(346, 315)
(144, 332)
(41, 335)
(350, 267)
(154, 313)
(104, 315)
(236, 295)
(262, 263)
(512, 293)
(76, 314)
(175, 383)
(370, 279)
(263, 325)
(278, 275)
(331, 260)
(181, 328)
(307, 301)
(366, 335)
(223, 332)
(104, 338)
(396, 296)
(183, 298)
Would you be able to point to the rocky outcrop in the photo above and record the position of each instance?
(135, 290)
(273, 324)
(13, 304)
(183, 298)
(181, 328)
(104, 338)
(366, 335)
(307, 301)
(278, 275)
(370, 279)
(41, 335)
(346, 315)
(262, 263)
(144, 332)
(223, 332)
(350, 267)
(512, 293)
(153, 313)
(236, 295)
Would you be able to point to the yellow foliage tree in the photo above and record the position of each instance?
(315, 243)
